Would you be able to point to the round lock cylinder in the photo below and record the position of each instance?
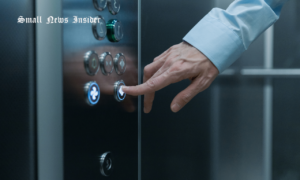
(106, 63)
(114, 6)
(106, 164)
(114, 30)
(92, 93)
(100, 5)
(99, 28)
(119, 93)
(120, 63)
(91, 63)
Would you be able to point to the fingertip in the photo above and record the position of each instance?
(175, 107)
(147, 110)
(126, 89)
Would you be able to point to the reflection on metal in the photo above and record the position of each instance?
(49, 92)
(114, 6)
(106, 164)
(262, 73)
(120, 63)
(91, 63)
(106, 63)
(268, 105)
(228, 72)
(271, 72)
(99, 28)
(100, 5)
(139, 97)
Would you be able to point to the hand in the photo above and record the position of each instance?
(179, 62)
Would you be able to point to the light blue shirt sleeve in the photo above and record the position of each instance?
(223, 35)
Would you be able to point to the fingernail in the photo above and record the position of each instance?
(124, 88)
(175, 107)
(145, 110)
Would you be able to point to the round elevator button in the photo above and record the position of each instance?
(120, 63)
(106, 163)
(119, 93)
(106, 63)
(99, 28)
(114, 6)
(100, 5)
(114, 30)
(92, 93)
(91, 63)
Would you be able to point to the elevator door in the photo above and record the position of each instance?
(100, 54)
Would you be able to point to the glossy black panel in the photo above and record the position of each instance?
(286, 129)
(109, 125)
(174, 146)
(17, 114)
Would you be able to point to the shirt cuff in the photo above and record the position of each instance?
(216, 41)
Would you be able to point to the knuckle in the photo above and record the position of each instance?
(186, 97)
(150, 83)
(176, 68)
(168, 62)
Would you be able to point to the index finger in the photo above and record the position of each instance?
(152, 85)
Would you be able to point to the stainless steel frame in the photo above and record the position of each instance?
(49, 92)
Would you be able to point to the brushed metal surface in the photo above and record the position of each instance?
(109, 125)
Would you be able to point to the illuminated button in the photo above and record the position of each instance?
(92, 93)
(114, 30)
(120, 63)
(100, 5)
(106, 63)
(91, 63)
(119, 94)
(99, 28)
(114, 6)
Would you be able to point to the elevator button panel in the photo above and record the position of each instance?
(100, 5)
(99, 28)
(92, 93)
(106, 63)
(114, 6)
(120, 63)
(114, 30)
(119, 94)
(91, 63)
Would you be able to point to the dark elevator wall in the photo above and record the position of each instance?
(17, 119)
(174, 146)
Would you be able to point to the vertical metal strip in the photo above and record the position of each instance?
(268, 105)
(215, 132)
(49, 92)
(139, 98)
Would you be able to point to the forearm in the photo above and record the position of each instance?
(223, 35)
